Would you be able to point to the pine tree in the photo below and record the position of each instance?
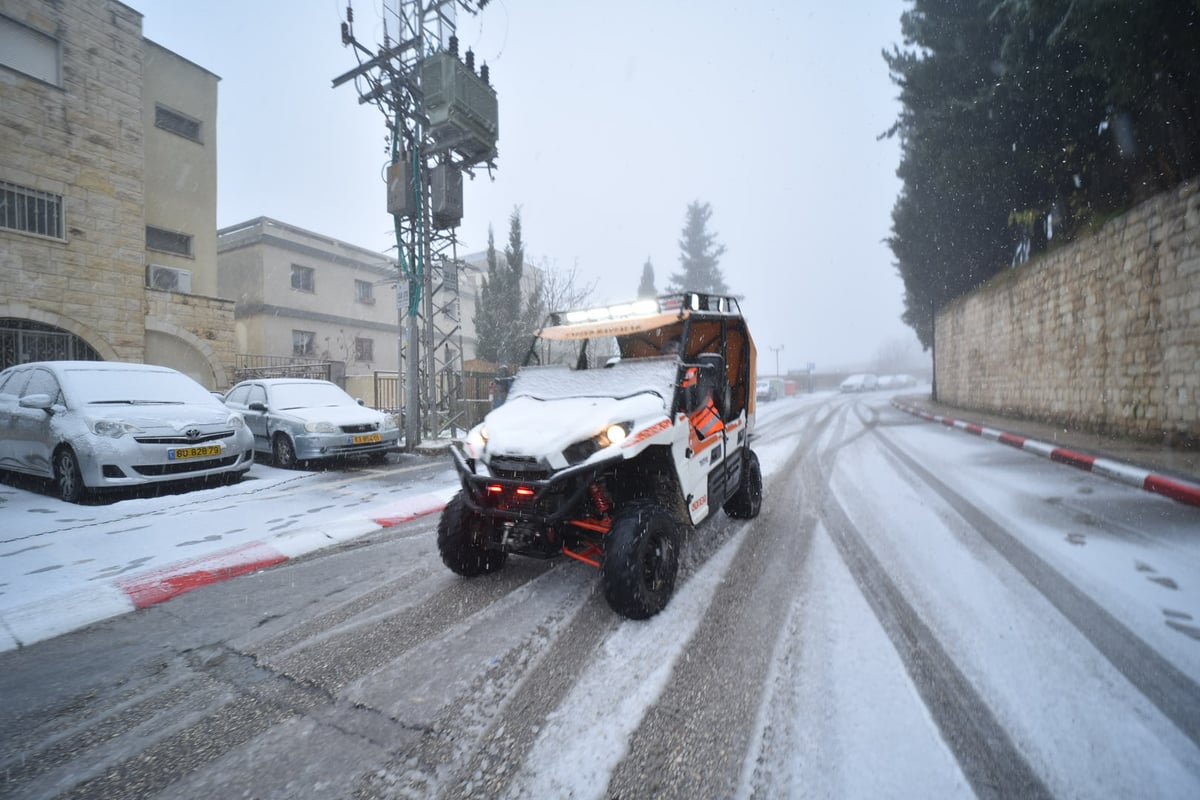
(699, 254)
(504, 322)
(646, 288)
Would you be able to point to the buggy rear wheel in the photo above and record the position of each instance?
(460, 536)
(747, 501)
(641, 560)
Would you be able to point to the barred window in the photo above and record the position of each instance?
(304, 343)
(30, 211)
(166, 241)
(364, 349)
(304, 278)
(177, 123)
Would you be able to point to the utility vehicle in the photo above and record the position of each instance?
(628, 425)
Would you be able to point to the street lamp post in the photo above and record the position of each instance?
(776, 350)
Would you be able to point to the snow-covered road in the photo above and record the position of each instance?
(915, 613)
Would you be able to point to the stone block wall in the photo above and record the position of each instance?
(82, 141)
(1102, 335)
(192, 333)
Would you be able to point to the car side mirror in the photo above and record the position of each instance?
(360, 401)
(257, 406)
(41, 401)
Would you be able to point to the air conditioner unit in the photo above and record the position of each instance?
(168, 279)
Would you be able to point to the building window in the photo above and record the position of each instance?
(304, 343)
(177, 123)
(166, 241)
(303, 278)
(30, 52)
(364, 349)
(30, 211)
(364, 292)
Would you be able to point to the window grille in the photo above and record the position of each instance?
(364, 292)
(177, 123)
(166, 241)
(30, 211)
(364, 349)
(304, 343)
(303, 278)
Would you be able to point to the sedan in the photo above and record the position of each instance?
(300, 419)
(91, 425)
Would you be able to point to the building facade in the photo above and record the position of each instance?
(300, 296)
(107, 194)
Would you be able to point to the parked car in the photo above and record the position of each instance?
(90, 425)
(295, 420)
(764, 391)
(854, 383)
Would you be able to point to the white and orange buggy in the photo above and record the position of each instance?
(627, 424)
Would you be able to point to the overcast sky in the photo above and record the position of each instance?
(613, 117)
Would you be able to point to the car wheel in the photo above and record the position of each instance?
(641, 560)
(67, 478)
(379, 457)
(747, 501)
(460, 541)
(283, 452)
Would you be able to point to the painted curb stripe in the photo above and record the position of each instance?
(387, 522)
(1181, 491)
(156, 587)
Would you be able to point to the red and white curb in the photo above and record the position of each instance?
(47, 618)
(1174, 488)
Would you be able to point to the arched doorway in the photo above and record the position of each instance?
(23, 340)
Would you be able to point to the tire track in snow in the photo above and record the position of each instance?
(986, 754)
(1175, 694)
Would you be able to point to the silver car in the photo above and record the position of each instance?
(300, 419)
(92, 425)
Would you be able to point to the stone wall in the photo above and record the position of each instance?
(1102, 335)
(193, 334)
(82, 141)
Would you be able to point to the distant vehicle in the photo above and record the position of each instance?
(855, 383)
(887, 382)
(765, 392)
(295, 420)
(91, 425)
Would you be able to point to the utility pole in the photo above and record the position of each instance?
(442, 122)
(776, 350)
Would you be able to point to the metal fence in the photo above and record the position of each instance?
(252, 366)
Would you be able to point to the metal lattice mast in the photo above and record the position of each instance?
(442, 121)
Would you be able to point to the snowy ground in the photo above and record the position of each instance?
(917, 612)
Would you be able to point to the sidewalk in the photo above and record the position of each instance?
(1171, 471)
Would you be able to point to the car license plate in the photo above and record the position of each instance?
(368, 438)
(193, 452)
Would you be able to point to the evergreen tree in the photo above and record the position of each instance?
(646, 288)
(699, 254)
(504, 321)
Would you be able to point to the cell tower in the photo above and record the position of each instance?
(442, 123)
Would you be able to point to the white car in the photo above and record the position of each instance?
(90, 425)
(295, 420)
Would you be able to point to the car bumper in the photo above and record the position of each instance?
(311, 446)
(124, 462)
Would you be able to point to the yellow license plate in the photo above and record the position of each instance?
(193, 452)
(368, 438)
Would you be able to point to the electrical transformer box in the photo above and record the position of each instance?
(400, 200)
(447, 196)
(461, 107)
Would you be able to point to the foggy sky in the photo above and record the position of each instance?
(613, 117)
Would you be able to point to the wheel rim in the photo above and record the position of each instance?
(654, 562)
(68, 475)
(285, 456)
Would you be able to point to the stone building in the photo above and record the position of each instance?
(107, 194)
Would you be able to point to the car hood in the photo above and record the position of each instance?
(157, 417)
(337, 415)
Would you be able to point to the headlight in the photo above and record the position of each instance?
(477, 438)
(320, 427)
(113, 428)
(616, 433)
(390, 422)
(236, 422)
(612, 434)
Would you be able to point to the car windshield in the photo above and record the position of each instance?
(285, 396)
(133, 387)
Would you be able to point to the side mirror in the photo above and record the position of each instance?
(257, 406)
(40, 401)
